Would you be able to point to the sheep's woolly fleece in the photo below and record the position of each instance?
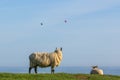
(44, 59)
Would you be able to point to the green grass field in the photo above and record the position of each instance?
(57, 76)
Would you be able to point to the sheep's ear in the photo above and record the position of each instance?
(61, 48)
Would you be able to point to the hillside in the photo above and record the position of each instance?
(57, 76)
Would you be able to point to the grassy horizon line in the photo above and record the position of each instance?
(56, 76)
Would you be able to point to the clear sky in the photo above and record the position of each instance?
(91, 35)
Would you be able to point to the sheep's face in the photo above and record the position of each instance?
(58, 50)
(94, 67)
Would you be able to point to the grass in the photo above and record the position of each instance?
(57, 76)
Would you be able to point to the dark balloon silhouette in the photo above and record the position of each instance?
(41, 23)
(65, 21)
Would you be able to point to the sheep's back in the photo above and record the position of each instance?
(40, 59)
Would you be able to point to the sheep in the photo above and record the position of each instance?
(96, 70)
(44, 59)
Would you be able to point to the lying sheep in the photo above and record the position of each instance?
(96, 70)
(44, 59)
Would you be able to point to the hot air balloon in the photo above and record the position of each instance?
(65, 21)
(41, 23)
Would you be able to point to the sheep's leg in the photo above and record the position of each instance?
(52, 70)
(30, 69)
(35, 68)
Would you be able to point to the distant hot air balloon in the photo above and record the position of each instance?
(65, 21)
(41, 23)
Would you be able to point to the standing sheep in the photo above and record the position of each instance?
(44, 59)
(96, 70)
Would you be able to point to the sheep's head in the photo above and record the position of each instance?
(94, 67)
(58, 50)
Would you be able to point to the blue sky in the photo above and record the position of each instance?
(91, 35)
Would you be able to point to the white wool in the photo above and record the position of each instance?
(97, 71)
(100, 71)
(44, 59)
